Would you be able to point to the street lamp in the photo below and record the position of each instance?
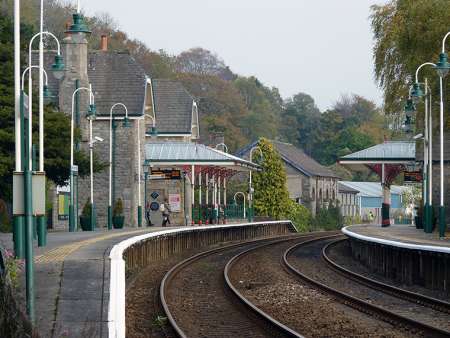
(442, 67)
(223, 145)
(250, 187)
(243, 198)
(153, 132)
(126, 124)
(417, 94)
(73, 221)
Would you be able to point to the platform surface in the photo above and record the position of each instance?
(72, 281)
(400, 235)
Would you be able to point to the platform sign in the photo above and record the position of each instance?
(165, 174)
(411, 177)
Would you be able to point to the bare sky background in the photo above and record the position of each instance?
(320, 47)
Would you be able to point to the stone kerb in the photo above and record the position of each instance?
(116, 308)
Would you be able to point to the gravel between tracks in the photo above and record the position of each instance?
(202, 307)
(260, 277)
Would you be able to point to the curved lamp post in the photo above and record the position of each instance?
(417, 94)
(73, 221)
(442, 67)
(223, 145)
(243, 198)
(126, 124)
(250, 187)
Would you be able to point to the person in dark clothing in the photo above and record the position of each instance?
(165, 209)
(147, 215)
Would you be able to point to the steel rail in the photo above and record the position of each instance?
(171, 274)
(359, 304)
(417, 298)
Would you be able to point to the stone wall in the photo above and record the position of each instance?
(125, 173)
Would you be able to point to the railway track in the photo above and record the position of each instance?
(199, 303)
(385, 303)
(417, 298)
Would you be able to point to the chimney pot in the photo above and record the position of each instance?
(104, 43)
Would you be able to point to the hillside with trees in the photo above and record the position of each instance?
(244, 108)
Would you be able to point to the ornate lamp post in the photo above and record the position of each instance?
(442, 68)
(243, 198)
(417, 94)
(250, 187)
(73, 221)
(126, 123)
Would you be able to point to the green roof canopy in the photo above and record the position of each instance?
(392, 152)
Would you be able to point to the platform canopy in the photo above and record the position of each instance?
(182, 154)
(389, 152)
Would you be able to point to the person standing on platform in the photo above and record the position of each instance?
(147, 215)
(165, 210)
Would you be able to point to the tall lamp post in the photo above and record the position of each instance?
(417, 94)
(243, 198)
(250, 187)
(126, 124)
(72, 216)
(153, 134)
(442, 68)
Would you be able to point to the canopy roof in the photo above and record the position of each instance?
(372, 189)
(392, 152)
(185, 153)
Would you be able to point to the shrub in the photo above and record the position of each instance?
(328, 219)
(300, 216)
(87, 209)
(118, 208)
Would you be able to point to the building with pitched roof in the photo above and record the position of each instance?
(308, 182)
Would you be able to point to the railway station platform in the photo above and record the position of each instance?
(402, 253)
(80, 277)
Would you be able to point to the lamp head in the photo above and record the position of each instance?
(416, 93)
(153, 132)
(407, 127)
(78, 26)
(442, 67)
(126, 122)
(91, 112)
(58, 67)
(409, 107)
(47, 93)
(98, 139)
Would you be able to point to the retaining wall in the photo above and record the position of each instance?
(139, 251)
(425, 267)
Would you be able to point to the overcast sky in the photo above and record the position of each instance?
(320, 47)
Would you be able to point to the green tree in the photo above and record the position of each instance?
(407, 33)
(57, 124)
(271, 196)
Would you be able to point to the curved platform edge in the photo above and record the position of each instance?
(434, 248)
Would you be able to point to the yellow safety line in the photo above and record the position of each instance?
(60, 253)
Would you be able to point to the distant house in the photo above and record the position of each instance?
(309, 183)
(348, 200)
(370, 197)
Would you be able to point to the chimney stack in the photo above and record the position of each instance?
(104, 43)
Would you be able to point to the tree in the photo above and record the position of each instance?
(271, 196)
(57, 124)
(201, 61)
(407, 33)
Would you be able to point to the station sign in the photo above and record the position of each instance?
(165, 174)
(413, 177)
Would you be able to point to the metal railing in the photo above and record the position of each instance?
(207, 214)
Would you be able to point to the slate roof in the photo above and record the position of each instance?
(173, 107)
(300, 161)
(345, 188)
(296, 158)
(372, 189)
(117, 77)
